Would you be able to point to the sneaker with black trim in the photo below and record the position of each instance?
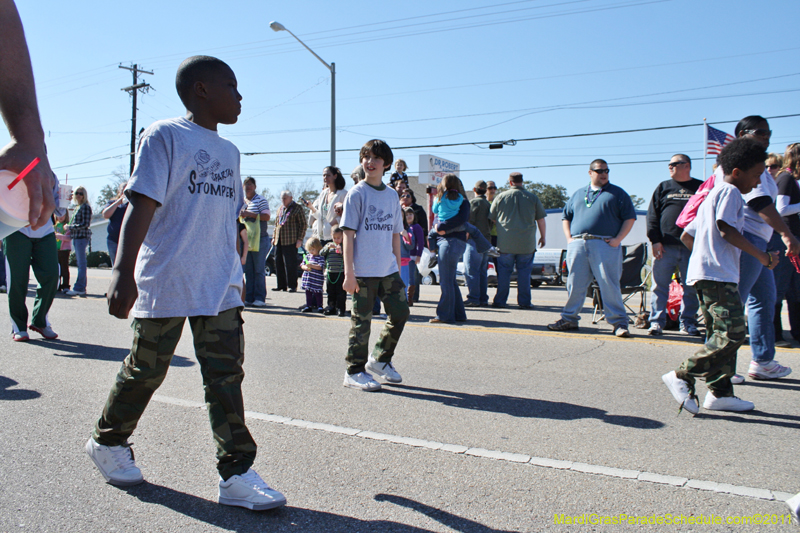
(385, 371)
(116, 463)
(249, 491)
(771, 370)
(680, 391)
(655, 329)
(562, 325)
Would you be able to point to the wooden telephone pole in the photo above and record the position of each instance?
(133, 90)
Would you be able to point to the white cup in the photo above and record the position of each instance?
(14, 204)
(64, 193)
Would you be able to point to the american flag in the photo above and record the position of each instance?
(716, 140)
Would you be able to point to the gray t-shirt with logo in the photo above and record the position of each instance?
(375, 215)
(188, 265)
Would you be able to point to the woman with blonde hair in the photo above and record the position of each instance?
(81, 234)
(774, 164)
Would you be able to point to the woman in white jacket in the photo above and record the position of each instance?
(323, 212)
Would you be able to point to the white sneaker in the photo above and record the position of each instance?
(46, 332)
(116, 463)
(75, 293)
(771, 370)
(727, 403)
(494, 251)
(362, 380)
(794, 507)
(737, 379)
(680, 391)
(385, 371)
(655, 329)
(20, 336)
(249, 491)
(259, 303)
(622, 332)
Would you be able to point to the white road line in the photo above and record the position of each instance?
(635, 475)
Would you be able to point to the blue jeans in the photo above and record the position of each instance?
(662, 277)
(405, 274)
(505, 266)
(757, 289)
(255, 280)
(112, 250)
(787, 286)
(79, 247)
(588, 259)
(451, 305)
(475, 265)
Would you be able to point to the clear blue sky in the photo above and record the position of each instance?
(420, 73)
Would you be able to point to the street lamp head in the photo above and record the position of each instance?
(276, 26)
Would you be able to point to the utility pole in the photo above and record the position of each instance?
(133, 91)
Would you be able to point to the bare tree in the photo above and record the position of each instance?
(109, 190)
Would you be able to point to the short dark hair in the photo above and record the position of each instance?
(684, 157)
(338, 181)
(378, 148)
(336, 229)
(407, 210)
(516, 177)
(597, 161)
(743, 153)
(748, 123)
(194, 69)
(249, 179)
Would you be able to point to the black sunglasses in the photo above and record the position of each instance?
(676, 164)
(405, 196)
(773, 166)
(78, 194)
(600, 170)
(760, 132)
(491, 188)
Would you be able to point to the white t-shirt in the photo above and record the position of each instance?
(375, 215)
(188, 265)
(753, 223)
(713, 258)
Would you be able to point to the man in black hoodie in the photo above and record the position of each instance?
(667, 203)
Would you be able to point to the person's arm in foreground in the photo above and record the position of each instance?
(542, 232)
(21, 115)
(350, 283)
(626, 228)
(771, 216)
(122, 292)
(730, 234)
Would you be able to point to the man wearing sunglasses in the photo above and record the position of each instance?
(595, 221)
(666, 205)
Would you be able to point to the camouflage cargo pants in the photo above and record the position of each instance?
(219, 347)
(391, 291)
(725, 332)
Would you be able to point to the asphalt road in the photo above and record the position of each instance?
(499, 425)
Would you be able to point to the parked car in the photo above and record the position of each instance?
(269, 269)
(429, 270)
(548, 267)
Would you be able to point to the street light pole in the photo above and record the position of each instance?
(277, 26)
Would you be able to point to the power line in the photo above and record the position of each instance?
(546, 138)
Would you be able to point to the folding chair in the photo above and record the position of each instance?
(635, 276)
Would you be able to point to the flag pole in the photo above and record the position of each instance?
(705, 147)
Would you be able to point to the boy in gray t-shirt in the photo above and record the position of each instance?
(714, 273)
(185, 185)
(372, 222)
